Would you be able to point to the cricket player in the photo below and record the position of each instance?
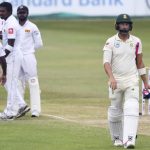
(11, 39)
(31, 42)
(122, 59)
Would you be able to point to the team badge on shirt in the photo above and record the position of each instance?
(117, 44)
(27, 30)
(10, 31)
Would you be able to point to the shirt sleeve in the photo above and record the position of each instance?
(11, 32)
(107, 52)
(140, 47)
(37, 38)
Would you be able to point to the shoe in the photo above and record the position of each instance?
(35, 114)
(4, 116)
(22, 111)
(129, 145)
(118, 143)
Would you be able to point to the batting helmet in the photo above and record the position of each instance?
(123, 18)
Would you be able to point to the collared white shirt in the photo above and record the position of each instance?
(31, 38)
(121, 56)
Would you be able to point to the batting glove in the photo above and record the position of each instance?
(146, 94)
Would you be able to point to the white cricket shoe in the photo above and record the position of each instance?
(35, 114)
(118, 143)
(4, 116)
(129, 145)
(22, 111)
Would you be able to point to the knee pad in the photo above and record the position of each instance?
(114, 114)
(131, 107)
(33, 81)
(115, 122)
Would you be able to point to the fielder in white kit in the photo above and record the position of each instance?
(31, 42)
(11, 39)
(122, 59)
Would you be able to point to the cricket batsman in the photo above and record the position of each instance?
(123, 64)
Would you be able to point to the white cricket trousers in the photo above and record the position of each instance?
(13, 69)
(127, 100)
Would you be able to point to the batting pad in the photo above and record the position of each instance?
(115, 123)
(35, 99)
(131, 117)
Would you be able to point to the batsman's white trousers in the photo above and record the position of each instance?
(127, 99)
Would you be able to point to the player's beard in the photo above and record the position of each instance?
(124, 31)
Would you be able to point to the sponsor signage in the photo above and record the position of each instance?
(85, 7)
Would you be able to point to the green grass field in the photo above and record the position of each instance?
(74, 91)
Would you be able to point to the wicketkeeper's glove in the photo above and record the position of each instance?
(146, 94)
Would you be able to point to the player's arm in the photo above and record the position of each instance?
(141, 69)
(112, 81)
(4, 68)
(3, 64)
(107, 59)
(0, 35)
(37, 38)
(9, 47)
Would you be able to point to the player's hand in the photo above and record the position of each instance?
(113, 83)
(2, 79)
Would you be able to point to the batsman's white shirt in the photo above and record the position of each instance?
(121, 56)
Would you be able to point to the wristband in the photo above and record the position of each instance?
(142, 71)
(8, 47)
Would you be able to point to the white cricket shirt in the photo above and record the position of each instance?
(11, 30)
(121, 56)
(31, 38)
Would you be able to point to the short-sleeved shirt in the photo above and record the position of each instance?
(121, 55)
(31, 38)
(11, 30)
